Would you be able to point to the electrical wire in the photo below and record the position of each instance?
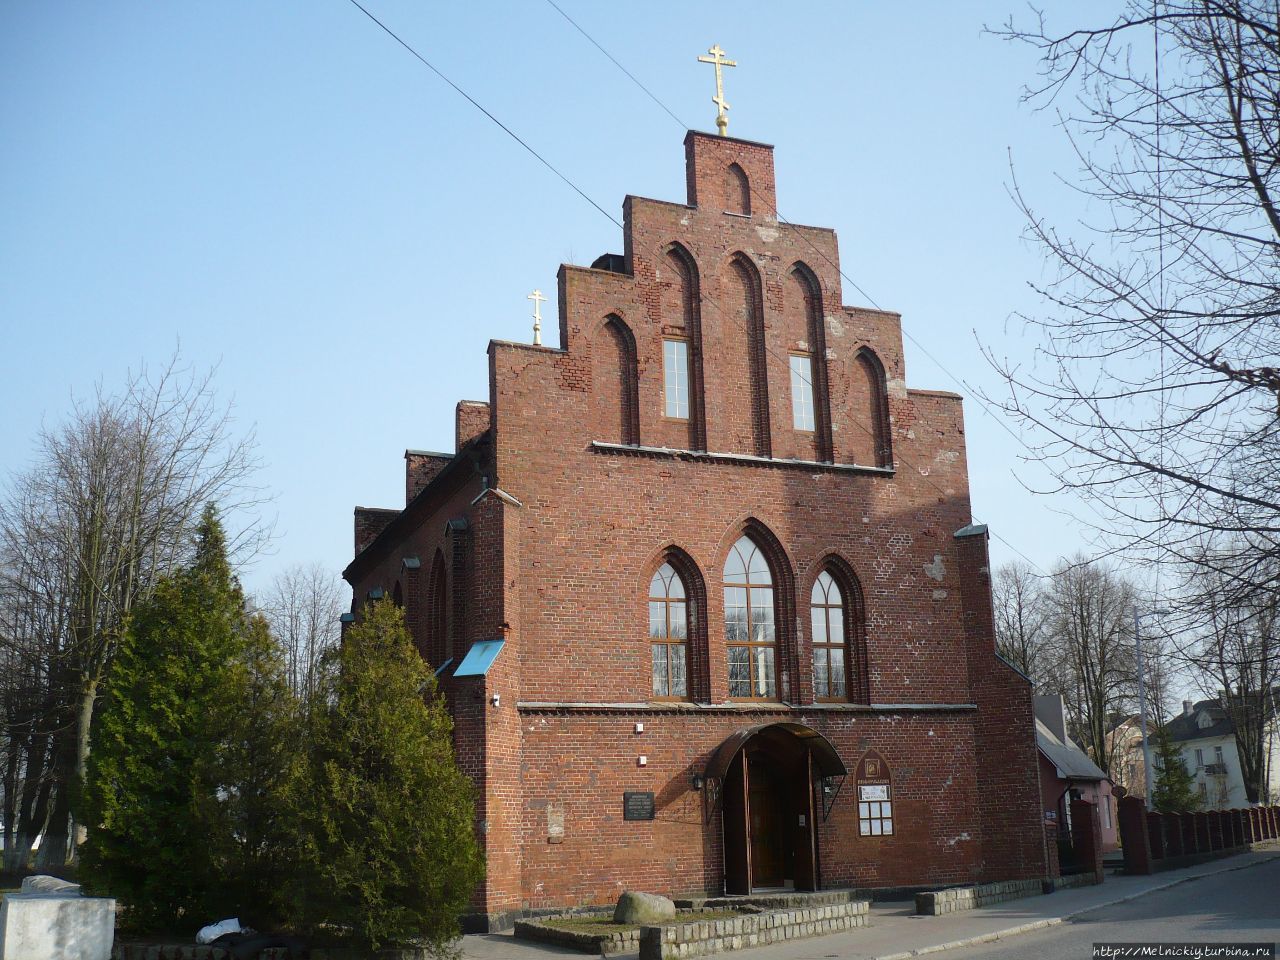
(704, 296)
(475, 103)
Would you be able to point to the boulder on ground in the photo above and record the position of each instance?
(642, 908)
(46, 884)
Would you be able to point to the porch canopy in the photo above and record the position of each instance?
(825, 758)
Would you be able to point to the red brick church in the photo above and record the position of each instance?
(702, 587)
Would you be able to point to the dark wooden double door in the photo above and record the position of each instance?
(769, 835)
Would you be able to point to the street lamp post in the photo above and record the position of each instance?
(1142, 700)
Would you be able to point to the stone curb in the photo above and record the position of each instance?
(1054, 921)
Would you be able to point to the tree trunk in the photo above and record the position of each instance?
(84, 727)
(56, 841)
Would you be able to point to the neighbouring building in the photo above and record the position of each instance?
(1067, 773)
(1128, 769)
(702, 584)
(1205, 736)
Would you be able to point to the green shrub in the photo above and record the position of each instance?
(384, 816)
(1175, 786)
(182, 790)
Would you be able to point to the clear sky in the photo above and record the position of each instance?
(288, 193)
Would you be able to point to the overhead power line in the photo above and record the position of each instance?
(475, 103)
(705, 297)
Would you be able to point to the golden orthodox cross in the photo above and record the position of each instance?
(538, 300)
(717, 58)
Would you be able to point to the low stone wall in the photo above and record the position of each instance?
(1074, 880)
(940, 902)
(193, 951)
(700, 938)
(182, 951)
(605, 944)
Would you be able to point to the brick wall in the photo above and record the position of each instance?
(420, 468)
(471, 419)
(369, 522)
(1008, 760)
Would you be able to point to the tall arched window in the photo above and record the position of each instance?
(837, 614)
(681, 309)
(744, 295)
(830, 672)
(669, 632)
(749, 622)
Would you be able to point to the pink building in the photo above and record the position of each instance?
(1067, 773)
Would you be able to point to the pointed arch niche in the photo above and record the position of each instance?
(615, 382)
(681, 317)
(803, 308)
(746, 401)
(438, 646)
(737, 191)
(872, 440)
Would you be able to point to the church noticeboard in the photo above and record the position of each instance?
(874, 786)
(637, 805)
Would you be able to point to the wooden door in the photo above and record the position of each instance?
(805, 829)
(737, 851)
(768, 837)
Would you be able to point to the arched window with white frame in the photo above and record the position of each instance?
(750, 622)
(669, 633)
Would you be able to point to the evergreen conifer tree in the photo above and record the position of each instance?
(171, 807)
(1174, 790)
(385, 817)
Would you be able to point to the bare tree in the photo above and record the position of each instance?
(1089, 623)
(108, 505)
(31, 621)
(1236, 650)
(1156, 387)
(1021, 616)
(302, 606)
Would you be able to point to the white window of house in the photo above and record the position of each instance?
(1217, 755)
(802, 392)
(1204, 792)
(1199, 757)
(1106, 812)
(675, 369)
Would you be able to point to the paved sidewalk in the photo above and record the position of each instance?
(896, 933)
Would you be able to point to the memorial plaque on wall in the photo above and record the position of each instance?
(555, 821)
(637, 805)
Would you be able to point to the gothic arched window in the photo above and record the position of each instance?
(749, 622)
(737, 190)
(669, 632)
(827, 612)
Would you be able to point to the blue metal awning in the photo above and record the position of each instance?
(479, 658)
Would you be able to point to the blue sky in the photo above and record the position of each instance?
(289, 194)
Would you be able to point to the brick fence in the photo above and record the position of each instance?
(1164, 841)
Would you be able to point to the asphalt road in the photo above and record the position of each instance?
(1240, 906)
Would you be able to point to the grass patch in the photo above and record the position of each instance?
(587, 924)
(605, 924)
